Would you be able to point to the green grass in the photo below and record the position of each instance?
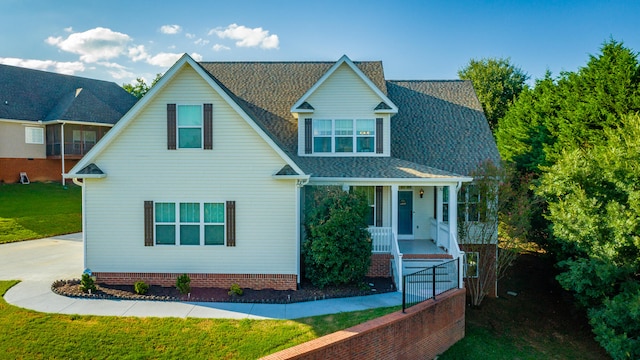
(31, 335)
(39, 210)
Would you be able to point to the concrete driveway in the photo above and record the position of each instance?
(37, 263)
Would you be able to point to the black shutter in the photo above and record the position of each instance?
(148, 223)
(379, 137)
(379, 206)
(231, 223)
(208, 126)
(308, 136)
(171, 126)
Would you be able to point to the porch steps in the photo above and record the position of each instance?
(410, 266)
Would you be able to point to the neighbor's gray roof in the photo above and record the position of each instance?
(440, 123)
(32, 95)
(267, 90)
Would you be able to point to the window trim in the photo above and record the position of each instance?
(201, 223)
(33, 135)
(179, 127)
(467, 265)
(463, 202)
(375, 147)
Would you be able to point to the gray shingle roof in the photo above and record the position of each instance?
(439, 131)
(33, 95)
(441, 124)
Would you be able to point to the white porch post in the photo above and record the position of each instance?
(453, 213)
(394, 209)
(439, 215)
(62, 150)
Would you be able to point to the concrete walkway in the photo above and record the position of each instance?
(37, 263)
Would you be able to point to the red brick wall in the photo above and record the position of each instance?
(253, 281)
(426, 330)
(380, 265)
(36, 169)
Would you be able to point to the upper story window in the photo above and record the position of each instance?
(344, 135)
(189, 126)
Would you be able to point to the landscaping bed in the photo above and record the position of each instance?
(307, 292)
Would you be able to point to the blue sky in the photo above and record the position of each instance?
(120, 40)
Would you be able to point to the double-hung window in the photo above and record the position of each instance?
(189, 119)
(189, 223)
(468, 204)
(344, 135)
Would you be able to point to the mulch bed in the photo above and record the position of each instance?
(307, 292)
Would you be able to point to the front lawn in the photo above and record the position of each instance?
(32, 335)
(39, 210)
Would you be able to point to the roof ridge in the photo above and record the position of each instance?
(444, 80)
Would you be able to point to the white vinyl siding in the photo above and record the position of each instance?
(345, 96)
(140, 168)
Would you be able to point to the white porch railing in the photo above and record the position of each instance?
(439, 233)
(397, 255)
(458, 254)
(381, 239)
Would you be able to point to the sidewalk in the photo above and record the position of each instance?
(37, 263)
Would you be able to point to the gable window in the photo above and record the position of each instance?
(33, 135)
(189, 223)
(344, 135)
(189, 120)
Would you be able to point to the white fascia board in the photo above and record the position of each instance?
(290, 177)
(345, 60)
(76, 122)
(71, 175)
(435, 181)
(137, 108)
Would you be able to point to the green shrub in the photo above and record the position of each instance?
(87, 284)
(140, 287)
(337, 249)
(235, 290)
(183, 283)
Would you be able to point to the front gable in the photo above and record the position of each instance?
(344, 114)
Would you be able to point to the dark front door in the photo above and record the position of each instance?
(405, 212)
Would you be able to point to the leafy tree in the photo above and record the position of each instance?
(497, 83)
(337, 249)
(140, 88)
(503, 205)
(594, 205)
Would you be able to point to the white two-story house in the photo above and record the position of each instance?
(206, 174)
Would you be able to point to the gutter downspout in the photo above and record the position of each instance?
(300, 183)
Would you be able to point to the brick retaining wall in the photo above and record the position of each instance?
(423, 332)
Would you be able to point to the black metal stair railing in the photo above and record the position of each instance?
(428, 283)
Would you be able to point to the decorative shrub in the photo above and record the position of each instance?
(235, 290)
(183, 283)
(87, 284)
(140, 287)
(337, 249)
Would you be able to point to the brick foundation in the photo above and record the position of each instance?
(423, 332)
(380, 265)
(36, 169)
(252, 281)
(487, 254)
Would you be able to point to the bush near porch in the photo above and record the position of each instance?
(337, 249)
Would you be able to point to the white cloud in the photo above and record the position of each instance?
(170, 29)
(138, 53)
(190, 36)
(196, 56)
(219, 47)
(201, 42)
(68, 29)
(164, 59)
(93, 45)
(67, 68)
(116, 70)
(247, 37)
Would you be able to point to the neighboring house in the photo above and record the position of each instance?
(49, 121)
(206, 174)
